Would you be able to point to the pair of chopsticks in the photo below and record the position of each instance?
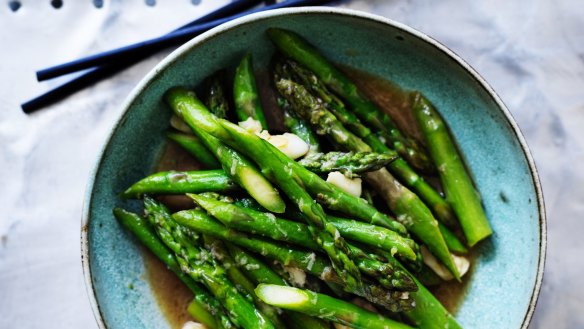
(106, 64)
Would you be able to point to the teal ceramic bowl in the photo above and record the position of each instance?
(508, 273)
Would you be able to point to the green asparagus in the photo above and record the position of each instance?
(300, 128)
(349, 163)
(410, 210)
(195, 262)
(293, 46)
(268, 225)
(314, 264)
(245, 94)
(179, 182)
(325, 307)
(292, 70)
(459, 189)
(240, 169)
(259, 272)
(195, 147)
(278, 171)
(216, 99)
(205, 307)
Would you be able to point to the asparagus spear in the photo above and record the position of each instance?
(293, 46)
(277, 170)
(325, 307)
(245, 94)
(268, 225)
(428, 313)
(453, 243)
(400, 168)
(299, 127)
(349, 163)
(240, 280)
(458, 186)
(259, 272)
(179, 182)
(195, 147)
(205, 308)
(195, 262)
(316, 265)
(239, 168)
(410, 210)
(216, 100)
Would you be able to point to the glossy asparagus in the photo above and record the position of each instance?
(292, 70)
(299, 127)
(310, 262)
(268, 225)
(458, 186)
(410, 210)
(194, 261)
(259, 272)
(235, 274)
(295, 47)
(205, 308)
(325, 307)
(180, 182)
(278, 171)
(239, 168)
(195, 147)
(216, 100)
(350, 164)
(245, 93)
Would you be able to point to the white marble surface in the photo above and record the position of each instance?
(530, 51)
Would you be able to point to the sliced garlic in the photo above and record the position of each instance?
(177, 123)
(461, 263)
(349, 185)
(290, 144)
(297, 276)
(193, 325)
(251, 125)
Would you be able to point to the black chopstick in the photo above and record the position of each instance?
(175, 37)
(96, 74)
(225, 11)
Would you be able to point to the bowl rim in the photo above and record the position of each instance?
(168, 60)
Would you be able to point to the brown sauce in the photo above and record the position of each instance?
(173, 297)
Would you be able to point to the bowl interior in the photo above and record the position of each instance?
(507, 269)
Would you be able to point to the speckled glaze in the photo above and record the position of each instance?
(509, 270)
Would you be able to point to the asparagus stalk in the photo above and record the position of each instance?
(410, 210)
(179, 182)
(205, 308)
(259, 272)
(216, 99)
(195, 262)
(400, 168)
(453, 243)
(240, 169)
(325, 307)
(458, 186)
(268, 225)
(245, 94)
(293, 46)
(349, 163)
(195, 147)
(428, 313)
(277, 170)
(240, 280)
(316, 265)
(299, 127)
